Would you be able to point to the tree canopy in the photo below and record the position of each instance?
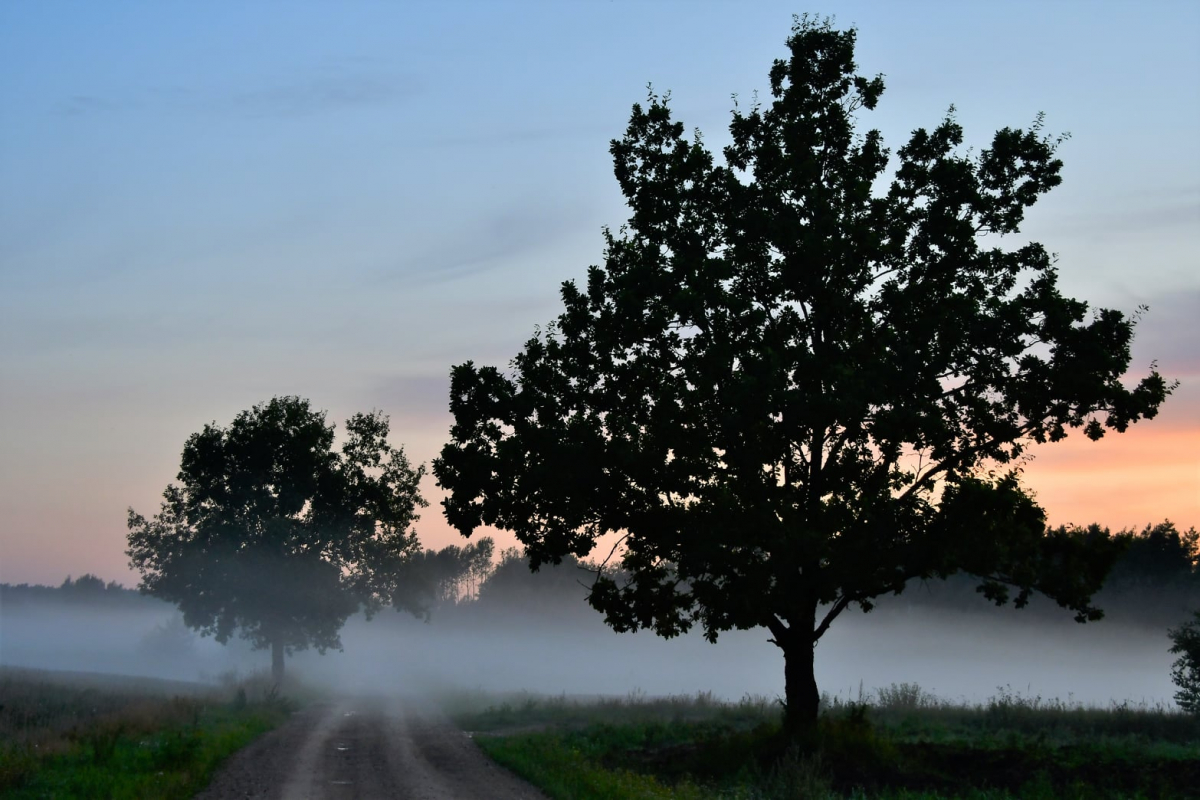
(803, 377)
(273, 533)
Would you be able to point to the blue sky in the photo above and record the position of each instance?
(204, 206)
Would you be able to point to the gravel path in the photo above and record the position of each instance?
(366, 748)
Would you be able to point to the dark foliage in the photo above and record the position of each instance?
(273, 532)
(1185, 672)
(788, 392)
(1158, 555)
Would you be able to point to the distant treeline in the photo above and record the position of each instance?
(86, 590)
(1155, 583)
(464, 577)
(468, 580)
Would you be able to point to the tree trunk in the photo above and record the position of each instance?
(277, 660)
(801, 699)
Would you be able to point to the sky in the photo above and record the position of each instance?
(203, 206)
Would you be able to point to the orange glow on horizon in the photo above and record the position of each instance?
(1128, 480)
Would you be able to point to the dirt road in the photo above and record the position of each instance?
(366, 748)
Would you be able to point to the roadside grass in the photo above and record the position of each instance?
(899, 742)
(490, 712)
(95, 736)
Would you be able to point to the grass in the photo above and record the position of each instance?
(488, 712)
(92, 736)
(899, 742)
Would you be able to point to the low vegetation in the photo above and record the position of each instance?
(93, 736)
(898, 742)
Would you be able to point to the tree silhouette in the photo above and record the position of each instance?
(273, 533)
(800, 380)
(1185, 671)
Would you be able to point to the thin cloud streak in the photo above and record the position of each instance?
(485, 244)
(285, 100)
(1143, 213)
(324, 95)
(501, 137)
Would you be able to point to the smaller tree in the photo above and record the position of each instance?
(1185, 672)
(273, 533)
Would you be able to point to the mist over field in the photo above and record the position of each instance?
(952, 655)
(557, 645)
(149, 641)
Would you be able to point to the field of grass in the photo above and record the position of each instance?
(95, 736)
(899, 742)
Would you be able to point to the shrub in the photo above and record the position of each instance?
(1185, 672)
(905, 697)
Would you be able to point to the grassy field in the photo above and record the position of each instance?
(896, 743)
(95, 736)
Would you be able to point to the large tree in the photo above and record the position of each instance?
(272, 532)
(803, 378)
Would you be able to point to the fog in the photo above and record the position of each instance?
(149, 641)
(956, 655)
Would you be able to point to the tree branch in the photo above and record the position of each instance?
(958, 458)
(779, 631)
(838, 607)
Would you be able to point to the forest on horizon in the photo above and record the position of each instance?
(1155, 583)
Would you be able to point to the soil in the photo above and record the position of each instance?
(366, 748)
